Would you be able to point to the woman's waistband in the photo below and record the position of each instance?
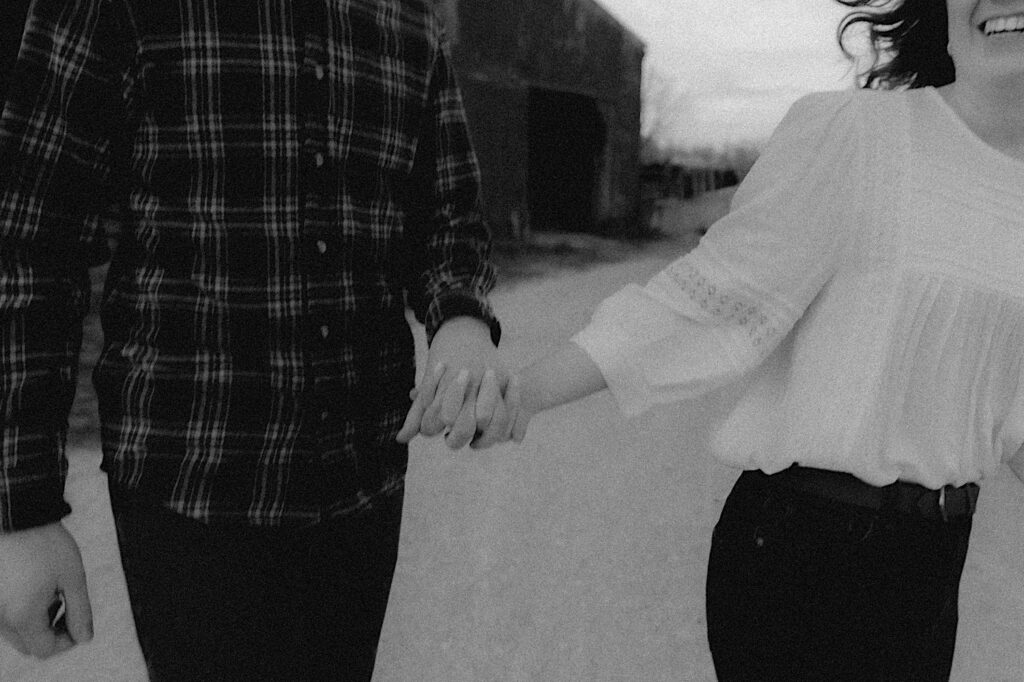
(946, 504)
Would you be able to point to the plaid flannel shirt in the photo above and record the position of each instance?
(293, 175)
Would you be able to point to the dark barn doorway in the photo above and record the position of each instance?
(566, 139)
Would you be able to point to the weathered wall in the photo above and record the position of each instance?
(503, 50)
(498, 115)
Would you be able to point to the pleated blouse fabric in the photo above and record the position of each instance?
(868, 284)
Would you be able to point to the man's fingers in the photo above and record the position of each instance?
(78, 611)
(431, 423)
(39, 638)
(455, 397)
(62, 642)
(421, 396)
(411, 425)
(14, 639)
(413, 421)
(464, 428)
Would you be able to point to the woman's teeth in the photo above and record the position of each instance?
(1004, 25)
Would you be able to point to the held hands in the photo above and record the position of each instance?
(495, 416)
(466, 391)
(467, 398)
(35, 566)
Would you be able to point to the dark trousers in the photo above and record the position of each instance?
(217, 603)
(803, 588)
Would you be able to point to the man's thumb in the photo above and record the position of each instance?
(78, 606)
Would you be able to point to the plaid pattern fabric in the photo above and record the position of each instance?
(292, 174)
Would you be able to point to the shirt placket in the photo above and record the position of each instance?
(319, 235)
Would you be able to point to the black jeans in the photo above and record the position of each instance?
(803, 588)
(215, 603)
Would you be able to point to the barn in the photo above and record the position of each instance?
(552, 91)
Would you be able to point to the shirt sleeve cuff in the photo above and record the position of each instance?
(460, 304)
(33, 504)
(624, 382)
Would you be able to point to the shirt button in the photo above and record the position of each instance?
(318, 160)
(325, 331)
(323, 416)
(321, 246)
(319, 72)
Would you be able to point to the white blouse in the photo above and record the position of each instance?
(869, 280)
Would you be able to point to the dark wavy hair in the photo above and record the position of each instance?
(908, 42)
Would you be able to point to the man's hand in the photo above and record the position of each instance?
(462, 390)
(35, 566)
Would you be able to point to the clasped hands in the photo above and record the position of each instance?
(466, 392)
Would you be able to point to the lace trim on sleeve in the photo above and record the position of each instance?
(725, 305)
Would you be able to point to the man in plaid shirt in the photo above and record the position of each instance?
(292, 175)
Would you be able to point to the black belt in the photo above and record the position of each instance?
(946, 503)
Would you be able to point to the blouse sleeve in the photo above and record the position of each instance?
(720, 310)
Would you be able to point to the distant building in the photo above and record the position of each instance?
(552, 91)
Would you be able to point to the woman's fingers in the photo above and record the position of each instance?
(455, 397)
(497, 431)
(488, 400)
(519, 418)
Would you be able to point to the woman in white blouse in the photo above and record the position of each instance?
(870, 280)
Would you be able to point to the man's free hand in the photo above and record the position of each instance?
(37, 565)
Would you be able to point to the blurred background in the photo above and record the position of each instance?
(585, 113)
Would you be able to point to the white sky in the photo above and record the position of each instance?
(737, 64)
